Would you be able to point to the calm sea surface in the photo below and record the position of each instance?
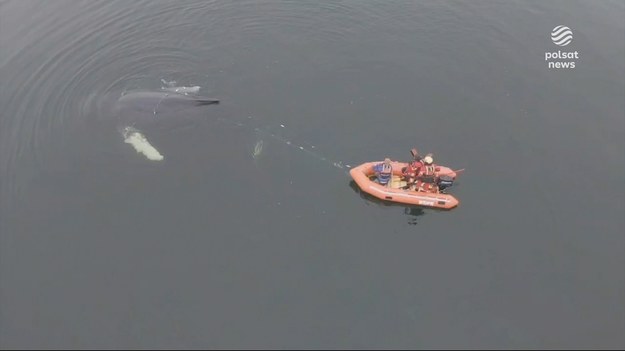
(250, 234)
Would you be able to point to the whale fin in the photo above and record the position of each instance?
(141, 144)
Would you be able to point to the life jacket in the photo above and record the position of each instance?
(428, 173)
(413, 169)
(416, 166)
(384, 173)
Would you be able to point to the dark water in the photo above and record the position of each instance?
(213, 247)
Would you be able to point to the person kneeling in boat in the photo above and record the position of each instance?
(411, 171)
(427, 177)
(384, 172)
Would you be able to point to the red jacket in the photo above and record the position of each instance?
(413, 169)
(427, 170)
(428, 174)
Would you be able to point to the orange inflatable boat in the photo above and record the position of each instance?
(364, 176)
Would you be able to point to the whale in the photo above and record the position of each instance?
(146, 106)
(137, 111)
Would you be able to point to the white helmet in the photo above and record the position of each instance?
(428, 160)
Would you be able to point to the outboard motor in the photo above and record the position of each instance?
(445, 182)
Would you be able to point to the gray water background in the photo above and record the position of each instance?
(101, 248)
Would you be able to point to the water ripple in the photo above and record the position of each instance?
(64, 55)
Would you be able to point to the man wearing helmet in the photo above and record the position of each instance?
(426, 178)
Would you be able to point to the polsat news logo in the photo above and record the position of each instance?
(561, 36)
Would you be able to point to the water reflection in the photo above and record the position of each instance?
(413, 212)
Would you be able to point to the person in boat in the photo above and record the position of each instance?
(384, 172)
(413, 169)
(427, 176)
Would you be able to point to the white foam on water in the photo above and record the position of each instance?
(171, 86)
(258, 149)
(170, 83)
(184, 90)
(141, 144)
